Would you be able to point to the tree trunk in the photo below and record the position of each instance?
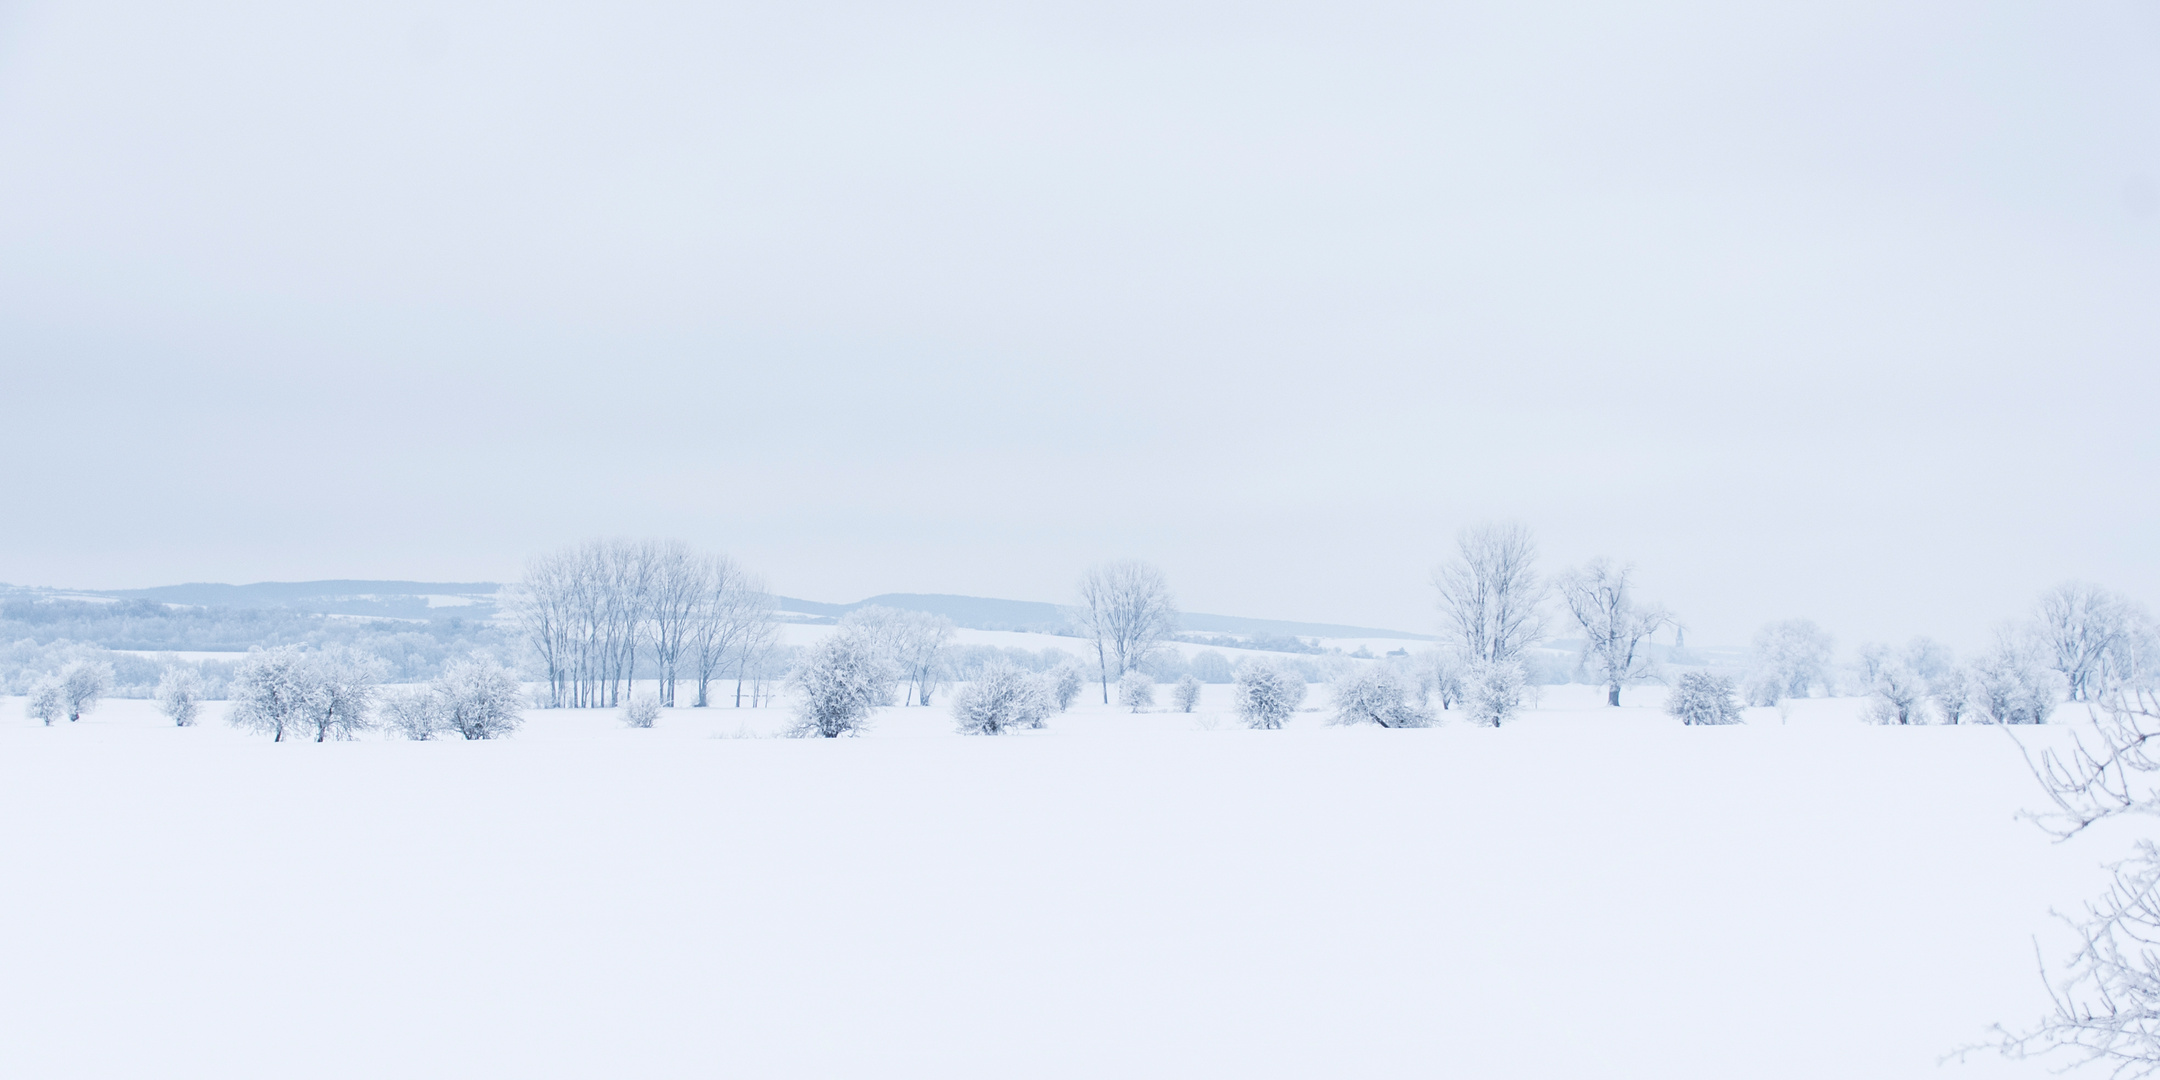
(1613, 695)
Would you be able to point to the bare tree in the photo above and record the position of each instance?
(1616, 630)
(1491, 596)
(2105, 996)
(733, 613)
(416, 713)
(1127, 608)
(1896, 692)
(678, 581)
(2079, 625)
(1066, 684)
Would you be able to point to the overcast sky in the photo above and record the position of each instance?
(1847, 311)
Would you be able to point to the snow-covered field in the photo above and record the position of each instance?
(1587, 893)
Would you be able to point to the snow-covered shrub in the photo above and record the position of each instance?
(1700, 697)
(1136, 690)
(1896, 694)
(415, 713)
(1000, 699)
(2011, 685)
(2077, 625)
(481, 699)
(82, 684)
(1375, 694)
(839, 681)
(1066, 683)
(44, 701)
(1266, 693)
(1493, 691)
(640, 711)
(1187, 693)
(179, 695)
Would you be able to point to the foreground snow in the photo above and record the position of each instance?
(1588, 893)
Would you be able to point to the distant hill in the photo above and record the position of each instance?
(430, 600)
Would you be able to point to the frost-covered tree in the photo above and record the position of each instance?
(1792, 658)
(1493, 692)
(1266, 693)
(44, 701)
(415, 713)
(1951, 691)
(1897, 694)
(1377, 694)
(676, 583)
(179, 695)
(2104, 999)
(480, 699)
(1001, 698)
(1491, 597)
(272, 692)
(1126, 606)
(921, 648)
(640, 711)
(2079, 625)
(1702, 697)
(1066, 682)
(1136, 690)
(83, 683)
(291, 691)
(345, 686)
(732, 614)
(840, 680)
(1616, 628)
(1187, 694)
(2011, 684)
(1440, 676)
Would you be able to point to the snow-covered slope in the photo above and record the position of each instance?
(1588, 893)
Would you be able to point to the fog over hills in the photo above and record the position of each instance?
(426, 601)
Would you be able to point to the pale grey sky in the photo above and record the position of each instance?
(1839, 310)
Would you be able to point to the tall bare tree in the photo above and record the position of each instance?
(1127, 607)
(1616, 629)
(1491, 597)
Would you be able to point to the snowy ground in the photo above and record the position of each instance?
(1588, 893)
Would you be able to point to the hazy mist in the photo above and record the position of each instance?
(1846, 311)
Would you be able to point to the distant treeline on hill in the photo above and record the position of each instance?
(36, 630)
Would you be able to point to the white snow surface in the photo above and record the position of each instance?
(1587, 893)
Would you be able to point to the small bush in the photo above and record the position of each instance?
(1136, 690)
(1187, 694)
(640, 711)
(1702, 698)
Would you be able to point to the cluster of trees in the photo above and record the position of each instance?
(863, 665)
(596, 614)
(71, 692)
(2080, 643)
(336, 693)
